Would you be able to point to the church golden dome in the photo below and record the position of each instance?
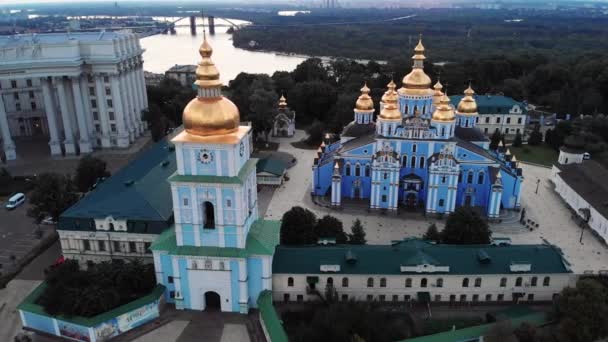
(467, 104)
(209, 113)
(390, 110)
(364, 102)
(444, 112)
(282, 102)
(417, 82)
(437, 93)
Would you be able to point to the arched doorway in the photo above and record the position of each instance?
(411, 200)
(212, 301)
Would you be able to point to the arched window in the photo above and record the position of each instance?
(358, 170)
(413, 163)
(546, 281)
(208, 264)
(442, 131)
(370, 282)
(477, 282)
(404, 160)
(344, 282)
(480, 178)
(390, 129)
(406, 108)
(111, 226)
(503, 282)
(518, 281)
(330, 281)
(440, 282)
(414, 147)
(347, 170)
(408, 282)
(367, 170)
(290, 281)
(423, 282)
(533, 281)
(470, 177)
(208, 216)
(382, 282)
(421, 163)
(465, 282)
(423, 110)
(194, 264)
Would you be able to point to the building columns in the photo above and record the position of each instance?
(84, 143)
(104, 120)
(9, 145)
(68, 143)
(123, 135)
(51, 116)
(138, 99)
(88, 111)
(126, 107)
(135, 109)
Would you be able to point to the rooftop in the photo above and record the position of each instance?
(389, 259)
(188, 68)
(491, 104)
(588, 180)
(57, 38)
(273, 166)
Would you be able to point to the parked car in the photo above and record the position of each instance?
(586, 156)
(15, 201)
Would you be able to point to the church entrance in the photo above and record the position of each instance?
(357, 193)
(212, 301)
(467, 201)
(411, 200)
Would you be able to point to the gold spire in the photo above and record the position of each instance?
(282, 102)
(514, 159)
(444, 111)
(417, 82)
(390, 111)
(467, 104)
(209, 113)
(500, 144)
(364, 102)
(508, 153)
(437, 93)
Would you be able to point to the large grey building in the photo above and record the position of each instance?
(81, 90)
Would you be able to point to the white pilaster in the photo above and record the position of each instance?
(126, 105)
(88, 112)
(266, 273)
(136, 101)
(84, 143)
(8, 144)
(68, 143)
(132, 102)
(51, 116)
(243, 293)
(123, 135)
(102, 110)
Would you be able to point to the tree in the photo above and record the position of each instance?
(263, 106)
(432, 234)
(312, 100)
(298, 227)
(157, 122)
(536, 137)
(88, 172)
(518, 139)
(315, 133)
(330, 227)
(495, 139)
(583, 311)
(357, 236)
(526, 332)
(465, 226)
(311, 69)
(52, 195)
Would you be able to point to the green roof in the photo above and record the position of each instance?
(138, 192)
(491, 104)
(470, 333)
(261, 240)
(239, 179)
(270, 318)
(388, 259)
(29, 305)
(276, 167)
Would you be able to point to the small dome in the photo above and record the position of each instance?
(437, 93)
(209, 113)
(282, 102)
(364, 102)
(417, 82)
(468, 105)
(390, 111)
(444, 112)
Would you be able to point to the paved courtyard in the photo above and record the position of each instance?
(546, 208)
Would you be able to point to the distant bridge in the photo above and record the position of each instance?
(210, 23)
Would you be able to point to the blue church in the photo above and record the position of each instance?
(421, 152)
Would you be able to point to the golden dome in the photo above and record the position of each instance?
(364, 102)
(437, 93)
(282, 102)
(444, 112)
(209, 113)
(468, 105)
(390, 110)
(417, 82)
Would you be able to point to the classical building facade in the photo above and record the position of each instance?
(498, 112)
(420, 152)
(417, 270)
(81, 90)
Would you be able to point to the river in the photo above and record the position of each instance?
(165, 50)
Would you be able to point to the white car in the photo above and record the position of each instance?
(48, 220)
(15, 201)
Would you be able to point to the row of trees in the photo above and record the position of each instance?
(463, 226)
(300, 226)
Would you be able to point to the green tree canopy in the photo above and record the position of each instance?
(330, 227)
(357, 236)
(432, 234)
(583, 311)
(263, 106)
(465, 226)
(298, 227)
(52, 194)
(495, 139)
(89, 170)
(518, 139)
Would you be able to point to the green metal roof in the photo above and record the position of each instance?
(29, 305)
(388, 259)
(274, 166)
(138, 192)
(239, 179)
(491, 104)
(271, 319)
(261, 240)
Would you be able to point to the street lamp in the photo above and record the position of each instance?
(586, 213)
(537, 184)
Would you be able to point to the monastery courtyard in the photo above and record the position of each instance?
(546, 208)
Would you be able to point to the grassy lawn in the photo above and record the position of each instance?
(541, 154)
